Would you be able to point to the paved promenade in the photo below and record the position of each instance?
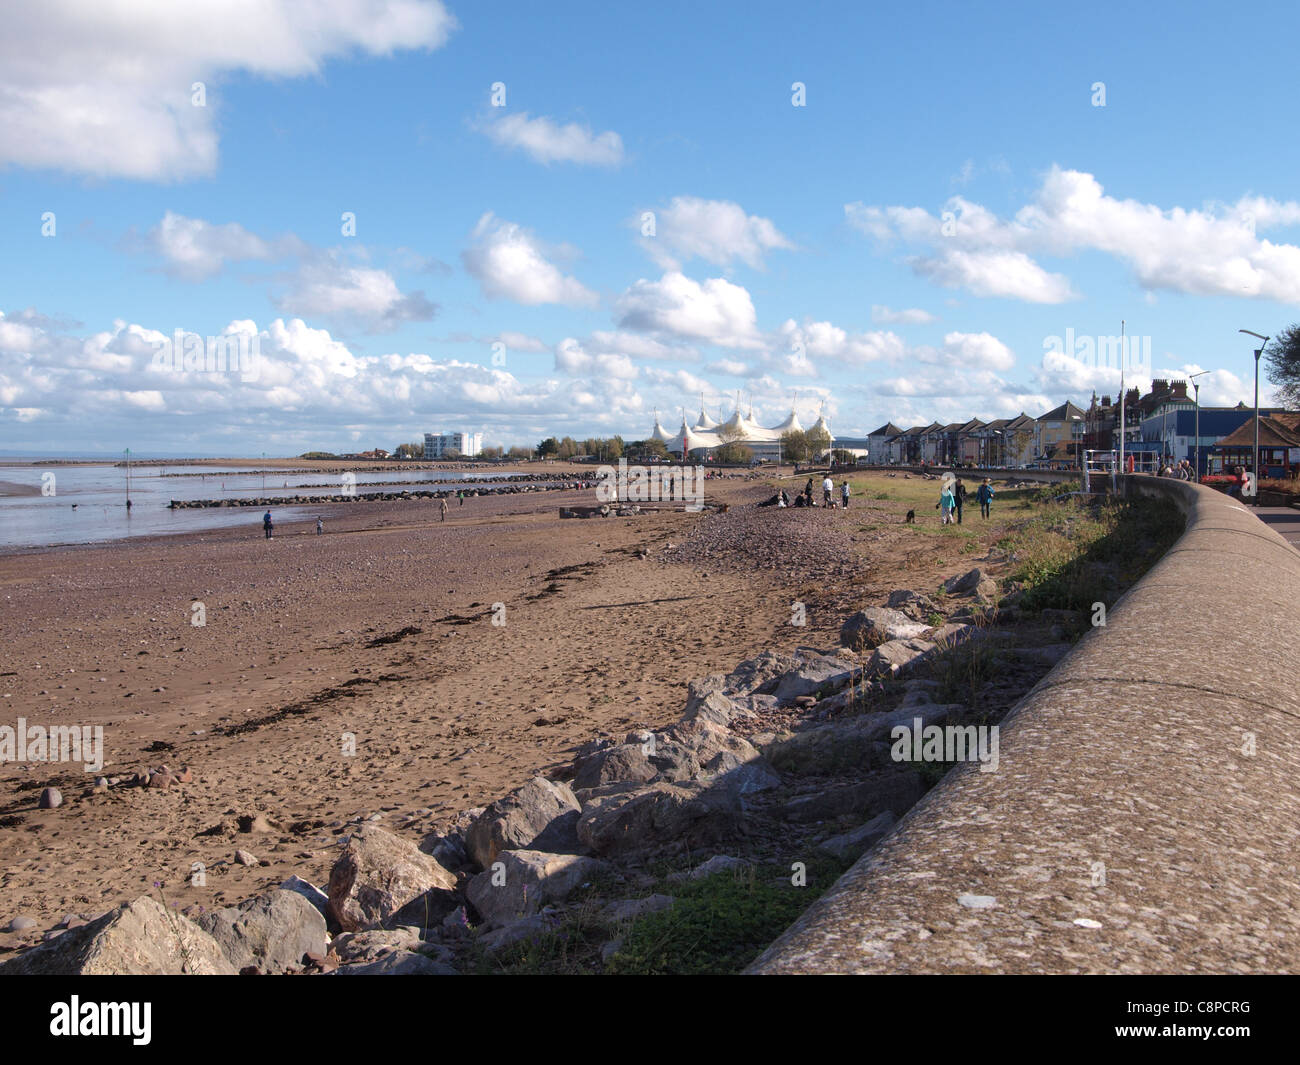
(1285, 521)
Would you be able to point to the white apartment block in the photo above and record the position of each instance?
(468, 445)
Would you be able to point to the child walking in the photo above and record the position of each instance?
(946, 504)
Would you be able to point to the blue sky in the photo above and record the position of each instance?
(902, 246)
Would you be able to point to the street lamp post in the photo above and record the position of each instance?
(1258, 352)
(1196, 391)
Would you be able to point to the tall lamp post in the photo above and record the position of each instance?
(1196, 391)
(1258, 352)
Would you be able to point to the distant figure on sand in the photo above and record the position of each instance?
(442, 507)
(959, 494)
(461, 497)
(266, 524)
(844, 494)
(807, 493)
(828, 486)
(985, 497)
(320, 526)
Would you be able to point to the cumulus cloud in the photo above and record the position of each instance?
(548, 142)
(195, 249)
(825, 340)
(714, 311)
(1213, 250)
(717, 231)
(510, 263)
(328, 286)
(910, 316)
(106, 89)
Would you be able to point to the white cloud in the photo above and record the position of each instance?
(511, 264)
(328, 286)
(105, 89)
(824, 340)
(977, 350)
(196, 249)
(548, 142)
(716, 231)
(910, 316)
(1214, 250)
(714, 311)
(573, 358)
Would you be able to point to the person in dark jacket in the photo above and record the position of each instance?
(985, 497)
(959, 494)
(266, 524)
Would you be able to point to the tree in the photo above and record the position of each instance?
(409, 451)
(732, 450)
(844, 458)
(451, 453)
(519, 453)
(819, 440)
(568, 448)
(794, 445)
(1282, 355)
(548, 448)
(491, 454)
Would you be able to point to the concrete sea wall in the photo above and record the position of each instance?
(1145, 815)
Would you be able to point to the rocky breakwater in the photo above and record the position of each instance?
(785, 761)
(478, 489)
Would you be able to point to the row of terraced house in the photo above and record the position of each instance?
(1055, 437)
(1164, 424)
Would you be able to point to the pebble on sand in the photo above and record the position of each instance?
(50, 798)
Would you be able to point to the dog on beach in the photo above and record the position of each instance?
(911, 517)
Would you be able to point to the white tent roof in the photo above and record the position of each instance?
(708, 434)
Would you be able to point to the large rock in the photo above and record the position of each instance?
(758, 673)
(705, 741)
(308, 891)
(139, 938)
(541, 815)
(399, 963)
(270, 931)
(852, 845)
(873, 626)
(717, 708)
(657, 816)
(973, 582)
(627, 762)
(525, 881)
(382, 880)
(897, 656)
(916, 605)
(858, 743)
(896, 791)
(815, 673)
(743, 777)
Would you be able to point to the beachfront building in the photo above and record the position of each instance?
(878, 442)
(707, 435)
(465, 445)
(1279, 446)
(1058, 434)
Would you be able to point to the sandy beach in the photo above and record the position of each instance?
(383, 628)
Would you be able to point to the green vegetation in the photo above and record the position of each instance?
(718, 925)
(1070, 555)
(721, 923)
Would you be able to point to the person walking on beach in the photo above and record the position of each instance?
(828, 486)
(442, 507)
(945, 505)
(985, 497)
(266, 524)
(959, 496)
(320, 526)
(461, 496)
(844, 494)
(807, 493)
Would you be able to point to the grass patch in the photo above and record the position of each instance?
(1073, 554)
(721, 923)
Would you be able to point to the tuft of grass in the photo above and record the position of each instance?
(723, 922)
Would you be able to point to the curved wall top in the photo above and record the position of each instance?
(1145, 813)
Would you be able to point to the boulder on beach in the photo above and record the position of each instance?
(873, 626)
(381, 879)
(522, 882)
(138, 938)
(271, 931)
(540, 815)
